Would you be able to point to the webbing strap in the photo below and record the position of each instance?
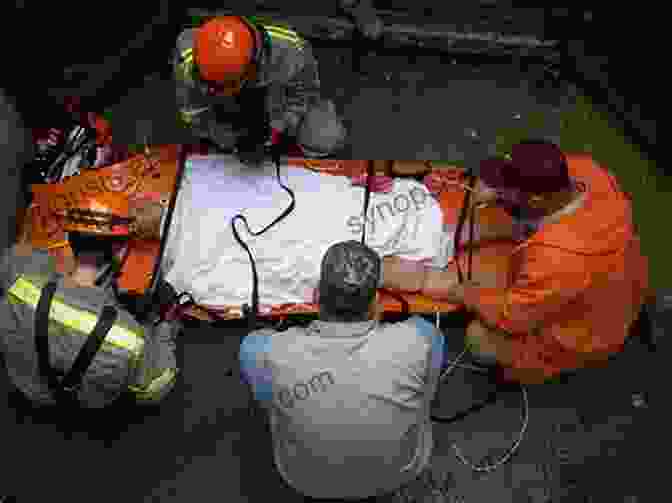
(251, 312)
(367, 196)
(65, 391)
(81, 322)
(42, 338)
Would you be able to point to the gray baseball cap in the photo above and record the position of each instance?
(349, 277)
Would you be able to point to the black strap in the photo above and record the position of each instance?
(251, 312)
(65, 391)
(472, 224)
(149, 311)
(464, 212)
(114, 269)
(367, 196)
(73, 378)
(42, 337)
(475, 150)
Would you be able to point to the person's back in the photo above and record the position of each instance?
(348, 399)
(350, 406)
(133, 359)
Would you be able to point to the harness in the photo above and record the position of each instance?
(65, 391)
(65, 386)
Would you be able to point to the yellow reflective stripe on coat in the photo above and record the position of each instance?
(156, 386)
(188, 114)
(81, 321)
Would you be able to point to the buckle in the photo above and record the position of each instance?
(180, 300)
(71, 390)
(68, 393)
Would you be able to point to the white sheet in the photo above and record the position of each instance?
(203, 257)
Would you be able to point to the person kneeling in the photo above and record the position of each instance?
(576, 282)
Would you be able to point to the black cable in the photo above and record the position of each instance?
(476, 407)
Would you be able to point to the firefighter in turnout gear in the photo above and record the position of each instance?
(66, 336)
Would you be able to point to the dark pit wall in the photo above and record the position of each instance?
(15, 151)
(613, 56)
(111, 48)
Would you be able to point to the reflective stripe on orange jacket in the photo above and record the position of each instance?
(575, 286)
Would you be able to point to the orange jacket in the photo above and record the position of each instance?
(575, 286)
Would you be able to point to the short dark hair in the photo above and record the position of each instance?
(348, 282)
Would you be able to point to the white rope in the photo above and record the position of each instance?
(511, 451)
(516, 444)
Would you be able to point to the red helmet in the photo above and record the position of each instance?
(226, 50)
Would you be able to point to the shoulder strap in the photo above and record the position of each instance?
(42, 336)
(94, 341)
(65, 391)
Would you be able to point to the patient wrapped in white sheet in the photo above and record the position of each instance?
(203, 258)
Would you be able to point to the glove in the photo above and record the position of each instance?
(314, 297)
(276, 136)
(379, 183)
(484, 194)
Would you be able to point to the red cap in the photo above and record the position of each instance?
(536, 167)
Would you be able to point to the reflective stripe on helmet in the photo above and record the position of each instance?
(82, 322)
(282, 31)
(284, 34)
